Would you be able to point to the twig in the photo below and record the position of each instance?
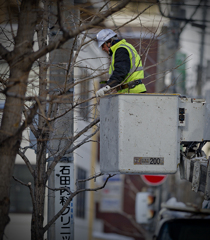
(82, 142)
(27, 162)
(72, 33)
(90, 178)
(30, 188)
(69, 200)
(62, 152)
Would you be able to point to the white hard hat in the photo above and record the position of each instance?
(104, 35)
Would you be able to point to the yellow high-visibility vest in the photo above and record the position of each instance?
(136, 70)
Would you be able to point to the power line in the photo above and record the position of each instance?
(180, 18)
(183, 4)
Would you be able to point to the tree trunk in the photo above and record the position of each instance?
(10, 142)
(37, 232)
(10, 137)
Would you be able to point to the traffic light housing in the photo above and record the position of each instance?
(145, 207)
(151, 206)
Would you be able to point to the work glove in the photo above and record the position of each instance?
(101, 92)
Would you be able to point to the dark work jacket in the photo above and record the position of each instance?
(121, 67)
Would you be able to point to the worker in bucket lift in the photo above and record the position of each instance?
(126, 66)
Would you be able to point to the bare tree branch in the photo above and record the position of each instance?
(72, 33)
(82, 142)
(30, 189)
(72, 195)
(90, 178)
(27, 162)
(4, 52)
(26, 122)
(129, 21)
(27, 185)
(58, 156)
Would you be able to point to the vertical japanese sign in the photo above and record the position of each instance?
(64, 177)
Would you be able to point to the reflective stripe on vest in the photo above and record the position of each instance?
(134, 68)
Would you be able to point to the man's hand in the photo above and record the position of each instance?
(101, 92)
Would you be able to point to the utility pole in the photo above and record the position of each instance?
(200, 66)
(173, 42)
(63, 129)
(168, 46)
(160, 83)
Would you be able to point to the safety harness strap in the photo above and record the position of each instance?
(129, 85)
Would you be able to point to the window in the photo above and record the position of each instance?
(80, 199)
(19, 194)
